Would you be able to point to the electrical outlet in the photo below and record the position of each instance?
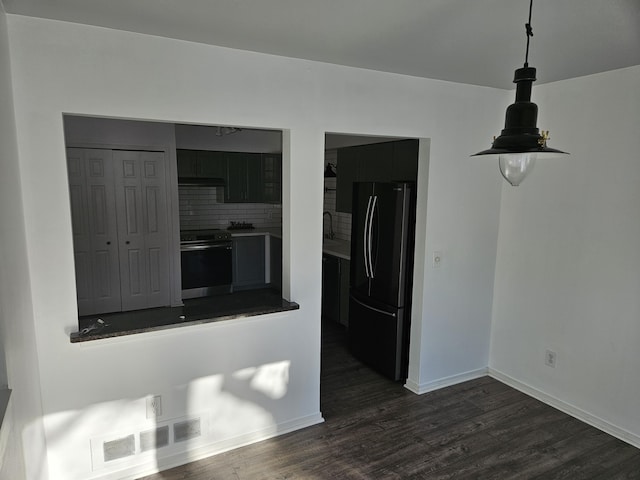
(550, 358)
(154, 406)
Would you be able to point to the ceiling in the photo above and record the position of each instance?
(478, 42)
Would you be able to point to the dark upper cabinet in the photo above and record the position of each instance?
(212, 164)
(255, 181)
(377, 162)
(248, 177)
(346, 174)
(272, 177)
(201, 164)
(374, 162)
(405, 160)
(187, 163)
(244, 178)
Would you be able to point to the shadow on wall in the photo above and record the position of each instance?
(206, 416)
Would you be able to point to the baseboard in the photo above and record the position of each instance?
(164, 463)
(445, 382)
(567, 408)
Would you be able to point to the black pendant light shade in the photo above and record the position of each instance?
(520, 143)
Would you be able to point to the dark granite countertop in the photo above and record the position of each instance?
(195, 311)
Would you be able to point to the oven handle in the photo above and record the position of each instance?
(186, 248)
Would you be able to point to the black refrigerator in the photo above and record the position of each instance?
(382, 246)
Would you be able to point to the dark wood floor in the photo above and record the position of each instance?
(376, 429)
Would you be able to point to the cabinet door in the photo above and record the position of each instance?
(142, 229)
(244, 178)
(272, 178)
(236, 177)
(276, 262)
(331, 288)
(187, 163)
(345, 269)
(377, 162)
(248, 261)
(254, 182)
(405, 160)
(374, 162)
(212, 164)
(95, 236)
(346, 174)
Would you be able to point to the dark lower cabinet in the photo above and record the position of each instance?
(335, 289)
(330, 288)
(275, 254)
(248, 262)
(345, 270)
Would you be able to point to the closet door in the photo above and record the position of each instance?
(142, 229)
(95, 237)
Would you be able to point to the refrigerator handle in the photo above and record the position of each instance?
(389, 314)
(365, 242)
(370, 245)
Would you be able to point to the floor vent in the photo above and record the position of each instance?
(186, 430)
(119, 448)
(153, 439)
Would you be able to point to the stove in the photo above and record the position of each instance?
(200, 236)
(206, 259)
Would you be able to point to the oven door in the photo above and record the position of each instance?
(206, 269)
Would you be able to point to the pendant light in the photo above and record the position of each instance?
(520, 143)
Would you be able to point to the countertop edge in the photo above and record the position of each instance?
(256, 232)
(76, 337)
(337, 248)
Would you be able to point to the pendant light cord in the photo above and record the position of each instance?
(529, 34)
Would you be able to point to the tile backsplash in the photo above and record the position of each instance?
(341, 221)
(203, 207)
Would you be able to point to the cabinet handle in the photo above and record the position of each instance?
(108, 243)
(127, 242)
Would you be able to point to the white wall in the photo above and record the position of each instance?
(99, 389)
(568, 267)
(23, 421)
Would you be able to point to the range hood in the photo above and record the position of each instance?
(201, 182)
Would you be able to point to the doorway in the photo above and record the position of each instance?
(351, 159)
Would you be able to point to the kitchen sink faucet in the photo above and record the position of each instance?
(330, 235)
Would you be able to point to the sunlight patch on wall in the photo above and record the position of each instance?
(271, 379)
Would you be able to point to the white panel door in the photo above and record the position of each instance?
(142, 229)
(95, 237)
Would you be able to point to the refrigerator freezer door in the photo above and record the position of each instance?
(376, 336)
(389, 220)
(380, 239)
